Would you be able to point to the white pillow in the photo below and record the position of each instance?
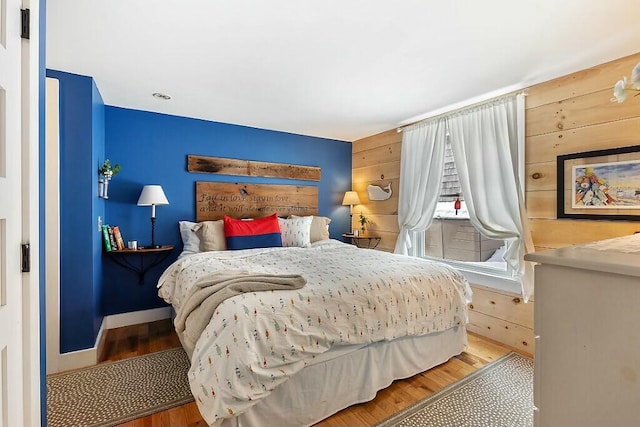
(319, 227)
(296, 232)
(190, 240)
(211, 235)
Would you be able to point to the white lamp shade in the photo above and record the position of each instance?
(351, 198)
(152, 195)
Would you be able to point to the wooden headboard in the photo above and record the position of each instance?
(242, 200)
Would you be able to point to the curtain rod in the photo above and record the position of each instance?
(463, 108)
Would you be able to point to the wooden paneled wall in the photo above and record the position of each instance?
(567, 115)
(570, 114)
(376, 160)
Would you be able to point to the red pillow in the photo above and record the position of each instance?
(256, 233)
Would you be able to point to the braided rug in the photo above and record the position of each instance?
(499, 394)
(112, 393)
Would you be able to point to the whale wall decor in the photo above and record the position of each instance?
(375, 192)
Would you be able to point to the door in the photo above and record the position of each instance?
(15, 136)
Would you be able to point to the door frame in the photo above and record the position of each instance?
(31, 96)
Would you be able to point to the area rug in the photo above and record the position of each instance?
(116, 392)
(499, 394)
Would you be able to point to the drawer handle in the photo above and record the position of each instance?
(471, 306)
(536, 175)
(516, 300)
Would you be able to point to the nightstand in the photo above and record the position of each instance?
(367, 241)
(154, 255)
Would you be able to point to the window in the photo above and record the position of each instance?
(451, 236)
(488, 141)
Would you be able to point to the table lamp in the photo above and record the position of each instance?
(351, 198)
(152, 195)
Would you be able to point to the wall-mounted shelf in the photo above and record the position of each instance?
(154, 256)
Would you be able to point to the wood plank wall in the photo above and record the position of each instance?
(569, 115)
(376, 160)
(566, 115)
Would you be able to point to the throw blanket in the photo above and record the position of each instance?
(206, 294)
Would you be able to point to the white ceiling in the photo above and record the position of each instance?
(341, 69)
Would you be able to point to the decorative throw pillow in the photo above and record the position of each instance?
(296, 232)
(319, 227)
(190, 240)
(257, 233)
(211, 235)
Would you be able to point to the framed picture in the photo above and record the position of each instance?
(602, 184)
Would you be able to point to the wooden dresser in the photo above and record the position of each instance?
(587, 327)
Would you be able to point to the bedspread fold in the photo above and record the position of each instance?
(206, 294)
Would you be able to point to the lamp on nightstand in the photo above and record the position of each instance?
(152, 195)
(351, 198)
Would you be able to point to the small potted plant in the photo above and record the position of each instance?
(106, 171)
(363, 221)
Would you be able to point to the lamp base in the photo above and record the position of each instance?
(153, 234)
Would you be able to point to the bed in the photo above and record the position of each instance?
(294, 357)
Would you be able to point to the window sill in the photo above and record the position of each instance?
(485, 276)
(493, 281)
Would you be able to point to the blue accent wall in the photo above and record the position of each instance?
(152, 149)
(82, 144)
(98, 204)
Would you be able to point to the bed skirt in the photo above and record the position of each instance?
(324, 388)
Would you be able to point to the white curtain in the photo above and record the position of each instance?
(482, 140)
(421, 168)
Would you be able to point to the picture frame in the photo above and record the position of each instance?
(599, 185)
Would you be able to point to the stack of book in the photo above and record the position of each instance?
(113, 240)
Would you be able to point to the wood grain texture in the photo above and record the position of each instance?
(390, 137)
(541, 204)
(384, 172)
(226, 166)
(582, 82)
(557, 233)
(586, 110)
(546, 147)
(381, 222)
(505, 332)
(540, 176)
(502, 305)
(574, 114)
(243, 200)
(375, 156)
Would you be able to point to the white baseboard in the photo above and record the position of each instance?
(136, 317)
(89, 356)
(78, 359)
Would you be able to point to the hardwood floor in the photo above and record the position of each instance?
(146, 338)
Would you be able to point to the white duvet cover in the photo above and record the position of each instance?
(255, 341)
